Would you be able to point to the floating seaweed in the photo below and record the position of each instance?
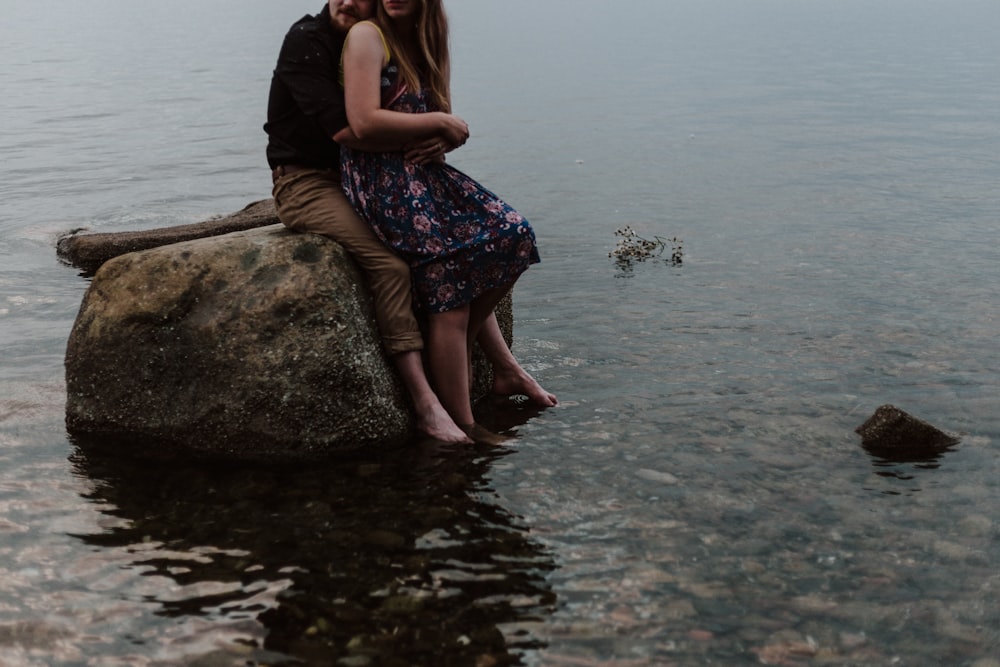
(634, 248)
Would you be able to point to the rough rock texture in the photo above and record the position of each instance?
(257, 345)
(895, 435)
(89, 251)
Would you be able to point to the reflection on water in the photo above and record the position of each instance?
(402, 559)
(904, 466)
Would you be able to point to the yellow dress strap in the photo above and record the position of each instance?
(385, 45)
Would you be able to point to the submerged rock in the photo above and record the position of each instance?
(257, 345)
(894, 435)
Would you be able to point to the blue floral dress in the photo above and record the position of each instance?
(458, 237)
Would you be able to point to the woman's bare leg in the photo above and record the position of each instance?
(509, 377)
(432, 418)
(447, 351)
(482, 308)
(448, 358)
(480, 311)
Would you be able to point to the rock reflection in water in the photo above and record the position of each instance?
(900, 444)
(902, 469)
(403, 559)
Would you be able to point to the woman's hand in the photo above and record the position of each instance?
(454, 130)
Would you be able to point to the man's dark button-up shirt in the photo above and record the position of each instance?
(305, 107)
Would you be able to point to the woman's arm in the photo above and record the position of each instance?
(364, 58)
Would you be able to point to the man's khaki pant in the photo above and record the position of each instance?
(312, 200)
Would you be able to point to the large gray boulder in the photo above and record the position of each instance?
(256, 345)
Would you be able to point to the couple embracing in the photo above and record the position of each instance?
(359, 120)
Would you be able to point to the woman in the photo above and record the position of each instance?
(465, 246)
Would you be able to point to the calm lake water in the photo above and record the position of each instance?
(699, 497)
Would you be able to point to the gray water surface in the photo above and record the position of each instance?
(699, 497)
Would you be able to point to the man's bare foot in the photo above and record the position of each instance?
(435, 422)
(517, 381)
(483, 436)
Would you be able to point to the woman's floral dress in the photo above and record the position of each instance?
(458, 237)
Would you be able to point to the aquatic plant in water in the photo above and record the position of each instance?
(634, 248)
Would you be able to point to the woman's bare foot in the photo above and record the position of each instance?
(517, 381)
(435, 422)
(483, 436)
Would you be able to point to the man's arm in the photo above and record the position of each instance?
(346, 137)
(421, 152)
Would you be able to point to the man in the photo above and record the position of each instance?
(305, 111)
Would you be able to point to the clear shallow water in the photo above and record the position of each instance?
(700, 496)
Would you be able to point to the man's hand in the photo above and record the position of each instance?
(454, 133)
(427, 151)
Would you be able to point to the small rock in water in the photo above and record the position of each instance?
(895, 435)
(656, 476)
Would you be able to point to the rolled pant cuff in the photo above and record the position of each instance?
(403, 343)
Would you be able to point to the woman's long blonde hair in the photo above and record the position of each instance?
(432, 40)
